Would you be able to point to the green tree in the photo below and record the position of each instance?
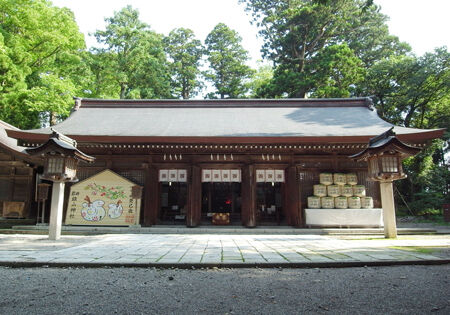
(260, 80)
(185, 53)
(100, 82)
(300, 35)
(136, 59)
(40, 62)
(226, 56)
(414, 92)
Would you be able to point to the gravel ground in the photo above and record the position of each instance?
(379, 290)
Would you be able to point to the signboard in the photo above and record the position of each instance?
(103, 199)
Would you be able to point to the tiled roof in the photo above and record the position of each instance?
(225, 118)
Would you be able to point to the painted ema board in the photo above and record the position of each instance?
(103, 199)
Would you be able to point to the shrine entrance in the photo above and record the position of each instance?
(221, 197)
(173, 203)
(173, 190)
(269, 196)
(269, 205)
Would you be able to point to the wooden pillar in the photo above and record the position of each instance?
(194, 211)
(248, 210)
(387, 202)
(292, 198)
(151, 195)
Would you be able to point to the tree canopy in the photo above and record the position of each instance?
(308, 41)
(227, 58)
(185, 53)
(40, 49)
(134, 55)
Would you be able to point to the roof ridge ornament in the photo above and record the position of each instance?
(369, 103)
(57, 135)
(385, 135)
(77, 104)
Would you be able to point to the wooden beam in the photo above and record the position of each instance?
(12, 163)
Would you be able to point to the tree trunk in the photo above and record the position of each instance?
(123, 89)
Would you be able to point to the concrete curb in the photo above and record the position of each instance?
(345, 264)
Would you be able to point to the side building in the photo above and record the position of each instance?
(243, 162)
(17, 179)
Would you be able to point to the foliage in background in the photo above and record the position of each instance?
(226, 56)
(135, 56)
(185, 53)
(316, 44)
(40, 67)
(414, 92)
(318, 48)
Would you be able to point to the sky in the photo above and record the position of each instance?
(423, 24)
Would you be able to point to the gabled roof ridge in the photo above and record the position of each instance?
(222, 103)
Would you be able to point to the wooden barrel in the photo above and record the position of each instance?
(359, 190)
(333, 190)
(352, 179)
(346, 190)
(367, 202)
(341, 202)
(327, 202)
(339, 179)
(320, 190)
(326, 178)
(313, 202)
(354, 202)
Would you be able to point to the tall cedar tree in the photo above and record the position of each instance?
(185, 53)
(227, 58)
(135, 56)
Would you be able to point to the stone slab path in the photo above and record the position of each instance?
(220, 250)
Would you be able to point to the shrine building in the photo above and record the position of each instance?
(242, 162)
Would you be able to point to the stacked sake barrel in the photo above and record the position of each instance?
(340, 191)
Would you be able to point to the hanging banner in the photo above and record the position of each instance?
(236, 176)
(216, 176)
(206, 175)
(163, 175)
(182, 176)
(279, 176)
(103, 199)
(260, 176)
(173, 175)
(226, 175)
(233, 175)
(270, 175)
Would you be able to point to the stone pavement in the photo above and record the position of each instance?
(209, 250)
